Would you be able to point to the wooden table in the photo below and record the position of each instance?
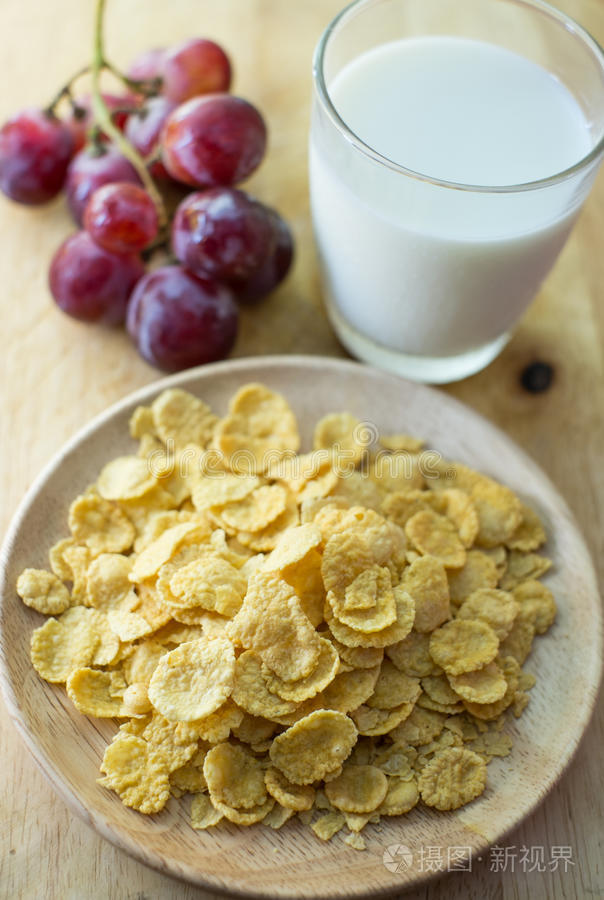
(56, 374)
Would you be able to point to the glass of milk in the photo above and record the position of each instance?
(453, 143)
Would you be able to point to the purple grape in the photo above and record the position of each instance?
(222, 233)
(90, 169)
(178, 320)
(89, 283)
(35, 150)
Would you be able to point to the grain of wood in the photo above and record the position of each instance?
(56, 374)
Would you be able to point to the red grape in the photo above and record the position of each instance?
(178, 320)
(276, 265)
(35, 150)
(213, 140)
(121, 218)
(144, 129)
(81, 119)
(222, 233)
(196, 67)
(90, 169)
(147, 65)
(89, 283)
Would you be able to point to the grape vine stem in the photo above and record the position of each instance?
(103, 119)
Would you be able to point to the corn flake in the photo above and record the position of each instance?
(452, 778)
(295, 797)
(43, 591)
(463, 645)
(193, 680)
(359, 789)
(315, 746)
(234, 776)
(100, 524)
(260, 423)
(434, 535)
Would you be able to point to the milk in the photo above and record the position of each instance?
(423, 269)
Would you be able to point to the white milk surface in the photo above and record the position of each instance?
(429, 270)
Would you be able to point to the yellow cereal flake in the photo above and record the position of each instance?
(421, 727)
(497, 608)
(193, 680)
(349, 690)
(107, 580)
(537, 604)
(234, 776)
(43, 591)
(452, 778)
(100, 524)
(523, 567)
(141, 422)
(323, 673)
(247, 816)
(435, 535)
(463, 645)
(461, 510)
(393, 687)
(359, 657)
(251, 691)
(426, 581)
(374, 584)
(490, 711)
(359, 789)
(484, 685)
(344, 435)
(266, 539)
(62, 645)
(293, 548)
(125, 478)
(479, 571)
(272, 622)
(400, 471)
(400, 628)
(97, 693)
(530, 533)
(499, 511)
(352, 489)
(315, 746)
(136, 777)
(328, 825)
(371, 721)
(402, 796)
(152, 558)
(210, 582)
(183, 419)
(412, 655)
(217, 727)
(203, 813)
(296, 797)
(519, 641)
(260, 423)
(256, 511)
(56, 558)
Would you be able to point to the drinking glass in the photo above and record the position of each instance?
(427, 277)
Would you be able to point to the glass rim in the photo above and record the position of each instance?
(567, 22)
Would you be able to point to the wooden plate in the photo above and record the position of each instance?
(292, 862)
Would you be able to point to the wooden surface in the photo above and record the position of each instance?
(292, 862)
(56, 374)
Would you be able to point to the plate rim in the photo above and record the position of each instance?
(120, 838)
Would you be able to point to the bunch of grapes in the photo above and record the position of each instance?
(176, 122)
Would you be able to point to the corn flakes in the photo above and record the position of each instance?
(284, 637)
(43, 591)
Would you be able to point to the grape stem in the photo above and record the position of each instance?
(103, 119)
(65, 91)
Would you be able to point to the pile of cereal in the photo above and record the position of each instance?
(335, 635)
